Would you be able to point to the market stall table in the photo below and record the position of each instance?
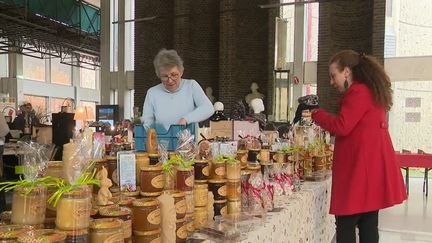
(304, 217)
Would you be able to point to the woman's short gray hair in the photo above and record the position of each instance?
(167, 59)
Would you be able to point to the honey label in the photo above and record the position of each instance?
(220, 171)
(127, 229)
(158, 181)
(154, 217)
(157, 240)
(222, 191)
(116, 238)
(205, 171)
(82, 211)
(190, 226)
(181, 206)
(224, 211)
(189, 181)
(182, 232)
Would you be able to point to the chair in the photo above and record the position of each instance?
(426, 175)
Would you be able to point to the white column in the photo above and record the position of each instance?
(121, 77)
(298, 56)
(105, 76)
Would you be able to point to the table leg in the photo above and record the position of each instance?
(407, 179)
(427, 180)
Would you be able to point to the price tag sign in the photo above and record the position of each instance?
(126, 171)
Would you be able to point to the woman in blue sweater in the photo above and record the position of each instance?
(175, 100)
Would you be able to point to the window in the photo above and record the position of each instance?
(34, 68)
(311, 32)
(60, 73)
(410, 27)
(56, 104)
(91, 104)
(39, 103)
(410, 116)
(87, 78)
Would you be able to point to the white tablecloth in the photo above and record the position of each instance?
(304, 217)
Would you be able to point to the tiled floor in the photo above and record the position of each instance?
(411, 221)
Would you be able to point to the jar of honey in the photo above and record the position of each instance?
(125, 215)
(181, 230)
(55, 169)
(28, 208)
(152, 180)
(146, 215)
(190, 202)
(106, 230)
(190, 223)
(218, 188)
(234, 206)
(253, 156)
(233, 170)
(200, 217)
(141, 159)
(10, 233)
(153, 236)
(42, 235)
(185, 179)
(180, 204)
(220, 207)
(233, 189)
(200, 195)
(242, 156)
(202, 170)
(217, 170)
(73, 209)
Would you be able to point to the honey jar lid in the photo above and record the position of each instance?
(201, 161)
(184, 169)
(105, 209)
(220, 201)
(253, 167)
(147, 233)
(151, 168)
(11, 231)
(233, 181)
(111, 158)
(120, 211)
(178, 194)
(145, 202)
(75, 232)
(292, 158)
(200, 186)
(141, 154)
(55, 163)
(255, 149)
(191, 215)
(241, 151)
(126, 201)
(42, 236)
(214, 181)
(132, 194)
(182, 220)
(100, 160)
(266, 163)
(234, 201)
(105, 223)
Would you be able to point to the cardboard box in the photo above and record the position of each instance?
(232, 129)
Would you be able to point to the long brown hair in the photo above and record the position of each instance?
(366, 69)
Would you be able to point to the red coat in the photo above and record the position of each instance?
(366, 174)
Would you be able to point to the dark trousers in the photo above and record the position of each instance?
(366, 222)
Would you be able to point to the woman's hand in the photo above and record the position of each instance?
(182, 121)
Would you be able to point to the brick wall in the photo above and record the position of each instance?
(225, 44)
(357, 25)
(150, 37)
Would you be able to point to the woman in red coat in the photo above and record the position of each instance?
(366, 175)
